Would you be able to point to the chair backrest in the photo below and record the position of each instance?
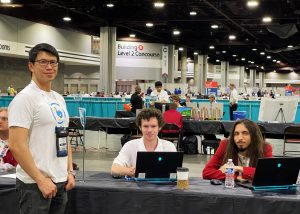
(292, 132)
(134, 129)
(171, 126)
(262, 130)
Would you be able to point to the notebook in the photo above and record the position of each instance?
(186, 112)
(274, 174)
(157, 166)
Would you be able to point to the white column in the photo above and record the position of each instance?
(196, 72)
(261, 79)
(183, 65)
(252, 77)
(224, 73)
(107, 59)
(203, 69)
(242, 76)
(171, 62)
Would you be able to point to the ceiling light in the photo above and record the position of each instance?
(176, 32)
(234, 55)
(267, 19)
(290, 46)
(254, 49)
(211, 47)
(5, 1)
(278, 62)
(252, 62)
(159, 4)
(232, 37)
(243, 59)
(262, 53)
(195, 53)
(132, 35)
(249, 61)
(217, 60)
(110, 5)
(252, 3)
(67, 19)
(180, 49)
(223, 51)
(269, 57)
(208, 57)
(193, 13)
(214, 26)
(262, 67)
(274, 60)
(149, 24)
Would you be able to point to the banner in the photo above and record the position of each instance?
(164, 61)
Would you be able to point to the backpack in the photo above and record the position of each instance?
(190, 145)
(125, 138)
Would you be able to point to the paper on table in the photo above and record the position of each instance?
(8, 176)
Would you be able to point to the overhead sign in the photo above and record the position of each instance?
(8, 47)
(164, 61)
(138, 50)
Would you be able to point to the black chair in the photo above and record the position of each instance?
(262, 130)
(76, 137)
(171, 132)
(291, 136)
(135, 132)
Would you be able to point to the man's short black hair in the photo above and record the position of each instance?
(158, 84)
(42, 47)
(147, 114)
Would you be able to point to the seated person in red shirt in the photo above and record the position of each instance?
(173, 116)
(5, 154)
(244, 146)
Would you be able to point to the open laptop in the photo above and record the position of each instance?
(157, 166)
(274, 174)
(186, 112)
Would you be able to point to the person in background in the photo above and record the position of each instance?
(150, 121)
(149, 90)
(176, 100)
(136, 99)
(179, 91)
(259, 94)
(5, 153)
(161, 95)
(173, 116)
(175, 91)
(212, 98)
(187, 100)
(233, 100)
(38, 121)
(244, 146)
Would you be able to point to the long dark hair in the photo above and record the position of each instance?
(256, 148)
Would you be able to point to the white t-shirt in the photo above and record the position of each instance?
(128, 153)
(162, 96)
(233, 96)
(40, 112)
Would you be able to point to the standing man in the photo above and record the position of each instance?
(150, 121)
(38, 121)
(161, 95)
(244, 146)
(233, 100)
(136, 100)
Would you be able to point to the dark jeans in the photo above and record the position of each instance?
(31, 200)
(232, 109)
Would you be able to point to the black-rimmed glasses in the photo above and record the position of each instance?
(44, 62)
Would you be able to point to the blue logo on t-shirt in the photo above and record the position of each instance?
(58, 113)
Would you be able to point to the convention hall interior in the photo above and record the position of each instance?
(195, 48)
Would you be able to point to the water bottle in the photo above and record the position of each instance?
(208, 150)
(229, 180)
(163, 108)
